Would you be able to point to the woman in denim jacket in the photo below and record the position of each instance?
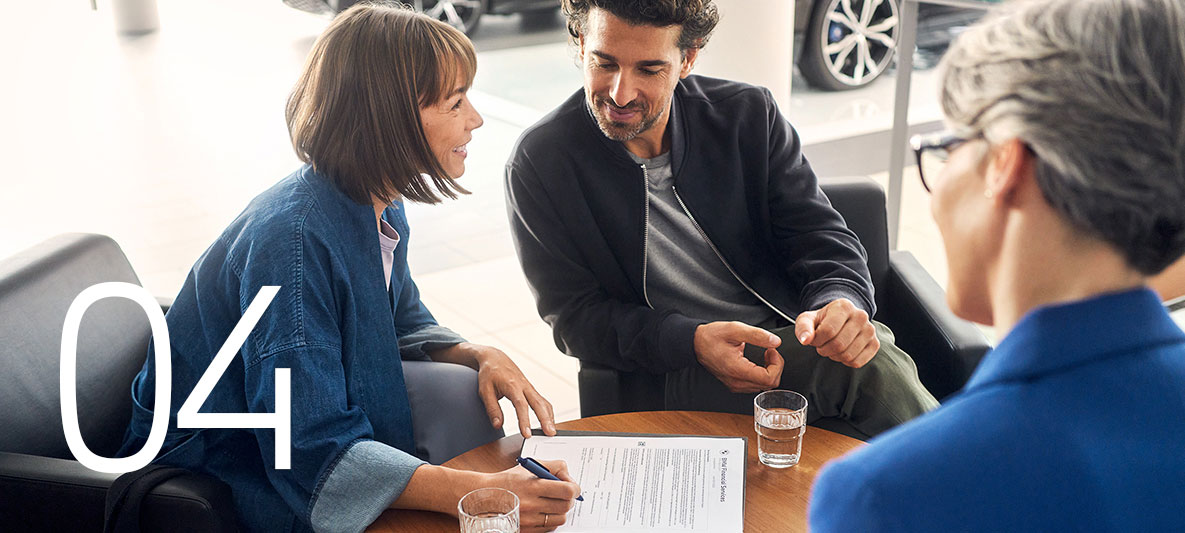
(379, 115)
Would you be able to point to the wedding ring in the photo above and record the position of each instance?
(544, 520)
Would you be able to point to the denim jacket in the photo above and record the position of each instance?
(331, 324)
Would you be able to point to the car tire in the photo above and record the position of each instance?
(846, 47)
(460, 14)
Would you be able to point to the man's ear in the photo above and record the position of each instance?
(580, 43)
(688, 63)
(1012, 164)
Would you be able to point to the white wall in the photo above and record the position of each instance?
(753, 43)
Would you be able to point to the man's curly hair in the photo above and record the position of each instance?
(697, 17)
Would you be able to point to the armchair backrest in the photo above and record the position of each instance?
(861, 201)
(37, 287)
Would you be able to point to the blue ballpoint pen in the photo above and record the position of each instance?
(539, 470)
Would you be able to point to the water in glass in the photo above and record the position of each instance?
(489, 510)
(779, 436)
(489, 523)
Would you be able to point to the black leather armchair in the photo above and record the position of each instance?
(945, 347)
(42, 488)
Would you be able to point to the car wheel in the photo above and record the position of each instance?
(849, 43)
(460, 14)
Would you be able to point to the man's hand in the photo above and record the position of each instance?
(840, 331)
(720, 347)
(498, 377)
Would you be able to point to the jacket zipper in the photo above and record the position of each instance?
(718, 255)
(645, 231)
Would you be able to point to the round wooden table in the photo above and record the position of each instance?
(775, 500)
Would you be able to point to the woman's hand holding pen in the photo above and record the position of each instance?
(543, 504)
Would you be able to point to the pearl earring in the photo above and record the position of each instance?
(987, 193)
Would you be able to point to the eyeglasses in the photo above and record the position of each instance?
(933, 151)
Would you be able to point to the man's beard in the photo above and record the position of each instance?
(621, 131)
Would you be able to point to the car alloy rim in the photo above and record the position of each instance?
(859, 38)
(457, 13)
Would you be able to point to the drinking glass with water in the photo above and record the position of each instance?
(488, 511)
(779, 418)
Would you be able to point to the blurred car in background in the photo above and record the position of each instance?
(839, 44)
(461, 14)
(847, 44)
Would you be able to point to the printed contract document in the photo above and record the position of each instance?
(650, 483)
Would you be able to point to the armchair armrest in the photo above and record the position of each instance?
(605, 390)
(946, 348)
(50, 494)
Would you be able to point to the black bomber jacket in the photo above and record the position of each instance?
(578, 211)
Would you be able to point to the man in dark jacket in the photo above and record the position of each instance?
(665, 221)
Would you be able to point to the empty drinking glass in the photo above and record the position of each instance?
(489, 511)
(779, 418)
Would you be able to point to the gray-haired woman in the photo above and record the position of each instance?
(1059, 189)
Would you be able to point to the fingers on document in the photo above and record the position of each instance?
(493, 410)
(543, 411)
(522, 409)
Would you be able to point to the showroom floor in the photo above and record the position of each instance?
(160, 140)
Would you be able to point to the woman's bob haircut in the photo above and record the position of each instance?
(354, 114)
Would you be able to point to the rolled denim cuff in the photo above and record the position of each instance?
(416, 345)
(366, 479)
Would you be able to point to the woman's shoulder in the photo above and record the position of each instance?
(280, 223)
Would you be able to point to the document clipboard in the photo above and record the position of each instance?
(599, 454)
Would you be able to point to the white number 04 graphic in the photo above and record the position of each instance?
(188, 416)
